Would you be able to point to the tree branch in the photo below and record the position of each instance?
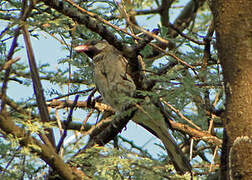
(38, 89)
(183, 128)
(68, 121)
(7, 71)
(9, 63)
(88, 20)
(43, 151)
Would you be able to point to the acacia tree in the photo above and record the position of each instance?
(181, 68)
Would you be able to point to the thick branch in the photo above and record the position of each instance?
(164, 12)
(88, 21)
(42, 150)
(203, 135)
(183, 128)
(113, 128)
(38, 89)
(80, 104)
(186, 16)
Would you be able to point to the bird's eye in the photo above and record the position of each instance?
(93, 43)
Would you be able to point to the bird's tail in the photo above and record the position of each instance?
(150, 117)
(178, 158)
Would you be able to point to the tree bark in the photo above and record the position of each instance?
(233, 25)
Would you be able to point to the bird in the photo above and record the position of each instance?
(113, 79)
(111, 75)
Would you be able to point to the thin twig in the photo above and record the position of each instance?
(17, 151)
(86, 119)
(191, 148)
(58, 121)
(26, 10)
(124, 13)
(180, 114)
(91, 14)
(164, 41)
(185, 36)
(133, 145)
(135, 13)
(172, 55)
(70, 94)
(7, 71)
(7, 64)
(214, 156)
(69, 120)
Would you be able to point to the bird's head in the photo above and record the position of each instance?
(92, 48)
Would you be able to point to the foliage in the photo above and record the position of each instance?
(107, 163)
(187, 78)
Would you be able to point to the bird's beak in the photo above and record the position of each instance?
(82, 48)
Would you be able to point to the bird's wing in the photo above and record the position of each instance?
(112, 79)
